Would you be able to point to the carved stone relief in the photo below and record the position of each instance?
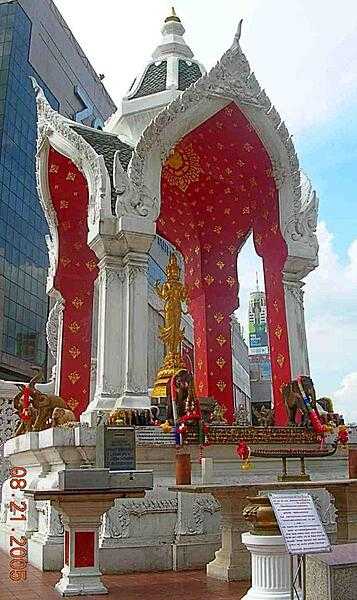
(294, 289)
(116, 522)
(201, 506)
(49, 520)
(52, 326)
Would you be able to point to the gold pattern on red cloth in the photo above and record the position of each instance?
(77, 302)
(220, 362)
(74, 279)
(74, 352)
(209, 279)
(218, 317)
(280, 359)
(278, 331)
(221, 385)
(74, 327)
(231, 193)
(221, 340)
(72, 403)
(74, 377)
(183, 168)
(91, 265)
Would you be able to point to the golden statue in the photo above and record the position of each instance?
(218, 414)
(174, 294)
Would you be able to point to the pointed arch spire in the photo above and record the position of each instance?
(173, 16)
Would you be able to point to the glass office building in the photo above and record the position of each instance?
(23, 252)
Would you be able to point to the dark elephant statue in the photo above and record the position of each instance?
(294, 401)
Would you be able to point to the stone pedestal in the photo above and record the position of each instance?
(81, 519)
(232, 562)
(270, 567)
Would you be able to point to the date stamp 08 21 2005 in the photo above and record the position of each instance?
(18, 546)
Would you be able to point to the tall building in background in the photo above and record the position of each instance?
(258, 334)
(34, 42)
(259, 357)
(241, 374)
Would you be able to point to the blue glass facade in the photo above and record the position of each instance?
(156, 271)
(23, 252)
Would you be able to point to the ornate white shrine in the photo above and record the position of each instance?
(122, 169)
(105, 195)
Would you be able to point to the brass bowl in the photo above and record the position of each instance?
(260, 515)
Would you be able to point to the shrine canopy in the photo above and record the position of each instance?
(203, 159)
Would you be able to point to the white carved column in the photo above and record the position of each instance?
(110, 347)
(270, 567)
(135, 332)
(294, 302)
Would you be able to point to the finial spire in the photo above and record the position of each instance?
(173, 16)
(257, 280)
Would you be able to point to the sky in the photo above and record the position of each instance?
(304, 53)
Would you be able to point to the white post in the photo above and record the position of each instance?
(294, 302)
(270, 567)
(207, 470)
(110, 347)
(135, 332)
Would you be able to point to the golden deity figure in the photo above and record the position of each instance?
(174, 294)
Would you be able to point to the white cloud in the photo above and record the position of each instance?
(331, 320)
(304, 53)
(345, 398)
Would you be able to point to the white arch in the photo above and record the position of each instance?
(230, 80)
(55, 131)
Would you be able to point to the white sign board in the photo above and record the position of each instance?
(299, 523)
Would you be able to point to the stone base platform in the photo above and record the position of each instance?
(163, 531)
(333, 575)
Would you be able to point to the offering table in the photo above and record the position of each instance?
(81, 511)
(232, 561)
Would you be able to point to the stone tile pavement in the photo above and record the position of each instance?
(168, 585)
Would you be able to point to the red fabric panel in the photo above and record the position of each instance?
(66, 548)
(84, 548)
(217, 186)
(75, 276)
